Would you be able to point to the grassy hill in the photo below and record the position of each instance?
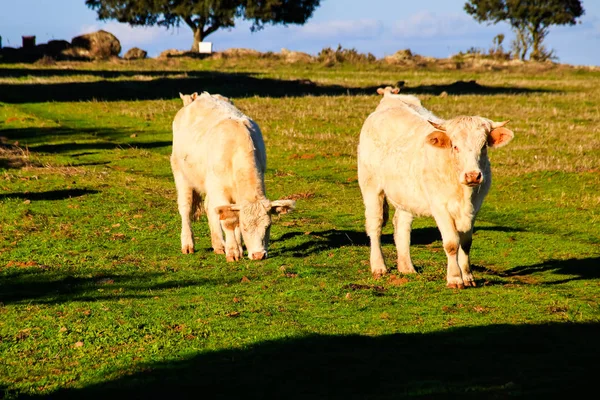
(96, 299)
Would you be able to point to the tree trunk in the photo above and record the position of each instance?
(197, 39)
(536, 38)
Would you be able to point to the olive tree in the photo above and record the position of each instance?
(204, 16)
(530, 19)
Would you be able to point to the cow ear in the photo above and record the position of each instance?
(228, 212)
(194, 95)
(439, 139)
(181, 96)
(282, 206)
(500, 136)
(380, 91)
(395, 90)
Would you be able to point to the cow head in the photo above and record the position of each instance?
(467, 138)
(254, 221)
(387, 91)
(188, 98)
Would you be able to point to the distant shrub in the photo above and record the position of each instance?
(495, 52)
(329, 56)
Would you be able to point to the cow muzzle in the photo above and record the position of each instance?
(473, 178)
(261, 255)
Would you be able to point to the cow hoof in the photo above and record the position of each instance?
(233, 256)
(455, 286)
(470, 284)
(379, 273)
(219, 251)
(406, 269)
(187, 249)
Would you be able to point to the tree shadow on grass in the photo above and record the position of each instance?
(334, 239)
(79, 140)
(35, 285)
(575, 270)
(495, 361)
(61, 194)
(167, 85)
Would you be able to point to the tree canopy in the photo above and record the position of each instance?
(204, 16)
(531, 19)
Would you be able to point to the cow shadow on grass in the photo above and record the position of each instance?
(34, 284)
(495, 361)
(573, 269)
(313, 242)
(166, 85)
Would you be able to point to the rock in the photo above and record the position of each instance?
(97, 45)
(135, 54)
(401, 56)
(240, 52)
(76, 53)
(296, 56)
(172, 53)
(56, 47)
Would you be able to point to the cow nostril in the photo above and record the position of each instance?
(259, 256)
(478, 177)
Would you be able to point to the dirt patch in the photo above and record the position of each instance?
(358, 286)
(301, 195)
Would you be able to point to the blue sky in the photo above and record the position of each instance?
(437, 28)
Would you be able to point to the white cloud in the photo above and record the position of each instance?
(348, 29)
(426, 24)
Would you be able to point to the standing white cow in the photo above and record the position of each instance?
(425, 166)
(219, 152)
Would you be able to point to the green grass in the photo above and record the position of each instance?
(96, 299)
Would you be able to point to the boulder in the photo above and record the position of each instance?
(296, 56)
(400, 57)
(96, 45)
(240, 52)
(56, 47)
(135, 54)
(172, 53)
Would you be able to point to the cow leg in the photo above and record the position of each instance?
(216, 232)
(184, 203)
(373, 223)
(238, 238)
(232, 246)
(402, 225)
(451, 242)
(229, 225)
(464, 261)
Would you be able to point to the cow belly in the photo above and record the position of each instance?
(407, 199)
(194, 173)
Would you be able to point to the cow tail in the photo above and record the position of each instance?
(196, 205)
(386, 212)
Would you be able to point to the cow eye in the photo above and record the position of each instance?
(455, 148)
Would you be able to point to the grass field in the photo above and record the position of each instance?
(96, 299)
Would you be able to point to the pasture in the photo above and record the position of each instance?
(97, 300)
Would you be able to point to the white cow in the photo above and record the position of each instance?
(425, 166)
(219, 152)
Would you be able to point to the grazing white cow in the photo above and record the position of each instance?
(425, 166)
(219, 152)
